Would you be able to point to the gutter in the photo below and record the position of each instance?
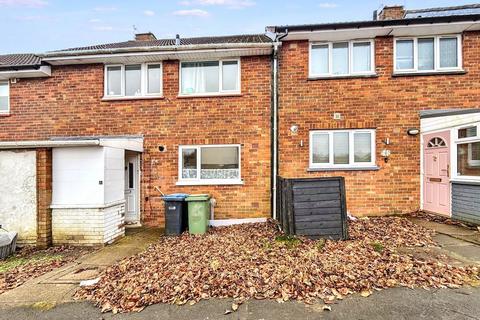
(46, 144)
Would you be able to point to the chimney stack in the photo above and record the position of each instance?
(177, 40)
(391, 13)
(147, 36)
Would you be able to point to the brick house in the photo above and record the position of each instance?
(91, 137)
(352, 102)
(97, 134)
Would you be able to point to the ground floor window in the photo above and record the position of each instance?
(211, 164)
(468, 152)
(342, 148)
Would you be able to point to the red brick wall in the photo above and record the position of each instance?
(69, 104)
(389, 104)
(44, 197)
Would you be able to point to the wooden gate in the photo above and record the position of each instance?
(313, 207)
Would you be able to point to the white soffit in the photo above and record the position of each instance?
(43, 71)
(372, 32)
(140, 57)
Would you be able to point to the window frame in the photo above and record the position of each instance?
(220, 78)
(458, 141)
(143, 83)
(198, 180)
(351, 149)
(436, 54)
(350, 59)
(4, 112)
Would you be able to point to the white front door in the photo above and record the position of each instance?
(131, 188)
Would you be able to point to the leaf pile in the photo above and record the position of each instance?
(29, 263)
(248, 262)
(441, 219)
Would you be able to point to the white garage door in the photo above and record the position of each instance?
(18, 194)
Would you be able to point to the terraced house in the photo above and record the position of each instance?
(91, 137)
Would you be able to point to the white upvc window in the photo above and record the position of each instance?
(209, 164)
(466, 160)
(133, 80)
(209, 77)
(342, 148)
(4, 97)
(331, 59)
(428, 54)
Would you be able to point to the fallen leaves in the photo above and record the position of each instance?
(255, 262)
(30, 262)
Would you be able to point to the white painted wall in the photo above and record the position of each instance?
(447, 122)
(114, 174)
(76, 175)
(18, 194)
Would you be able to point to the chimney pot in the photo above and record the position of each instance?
(147, 36)
(177, 40)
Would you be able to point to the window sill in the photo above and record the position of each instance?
(5, 114)
(366, 168)
(428, 73)
(349, 76)
(209, 183)
(466, 181)
(132, 98)
(210, 95)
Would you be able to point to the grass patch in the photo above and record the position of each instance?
(288, 241)
(320, 244)
(377, 247)
(17, 261)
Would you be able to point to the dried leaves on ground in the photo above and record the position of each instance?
(252, 261)
(28, 263)
(441, 219)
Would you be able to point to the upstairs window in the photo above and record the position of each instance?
(428, 54)
(212, 164)
(134, 80)
(342, 148)
(209, 77)
(4, 97)
(341, 58)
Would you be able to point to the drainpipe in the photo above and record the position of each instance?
(276, 46)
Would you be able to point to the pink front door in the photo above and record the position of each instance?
(436, 179)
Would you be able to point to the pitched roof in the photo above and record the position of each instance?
(412, 17)
(443, 11)
(234, 39)
(19, 60)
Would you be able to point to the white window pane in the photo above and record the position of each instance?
(4, 96)
(426, 54)
(340, 148)
(448, 53)
(114, 81)
(200, 77)
(340, 58)
(230, 75)
(189, 161)
(404, 52)
(153, 75)
(468, 159)
(220, 163)
(362, 60)
(133, 80)
(319, 56)
(362, 147)
(320, 148)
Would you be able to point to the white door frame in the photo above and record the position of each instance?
(137, 178)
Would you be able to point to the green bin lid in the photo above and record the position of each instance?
(198, 197)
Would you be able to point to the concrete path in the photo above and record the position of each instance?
(58, 285)
(458, 242)
(396, 303)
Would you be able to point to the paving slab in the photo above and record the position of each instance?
(58, 285)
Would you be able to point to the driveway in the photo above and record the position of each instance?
(397, 303)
